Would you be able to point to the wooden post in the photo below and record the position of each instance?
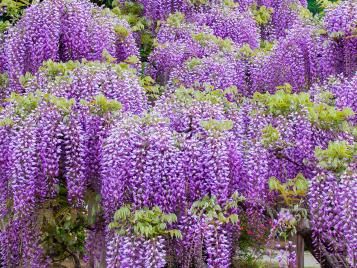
(299, 251)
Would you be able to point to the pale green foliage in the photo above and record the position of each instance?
(4, 25)
(246, 52)
(337, 156)
(224, 44)
(25, 79)
(198, 2)
(107, 57)
(132, 60)
(325, 97)
(326, 3)
(211, 211)
(14, 8)
(176, 19)
(6, 122)
(283, 102)
(193, 63)
(328, 117)
(262, 14)
(121, 31)
(54, 69)
(152, 90)
(270, 135)
(4, 80)
(148, 223)
(101, 105)
(266, 46)
(292, 191)
(230, 3)
(131, 12)
(189, 95)
(217, 125)
(23, 105)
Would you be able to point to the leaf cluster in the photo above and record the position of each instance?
(209, 209)
(62, 227)
(292, 191)
(270, 135)
(216, 125)
(101, 105)
(12, 10)
(152, 90)
(337, 156)
(145, 222)
(204, 39)
(262, 14)
(132, 12)
(26, 104)
(4, 80)
(323, 115)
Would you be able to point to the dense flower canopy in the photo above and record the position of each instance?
(176, 133)
(62, 31)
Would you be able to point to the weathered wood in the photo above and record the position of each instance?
(321, 254)
(300, 245)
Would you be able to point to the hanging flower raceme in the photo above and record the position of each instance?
(340, 23)
(207, 232)
(34, 153)
(46, 143)
(64, 30)
(227, 21)
(285, 14)
(206, 157)
(5, 134)
(199, 119)
(142, 165)
(298, 59)
(332, 198)
(177, 43)
(2, 52)
(345, 94)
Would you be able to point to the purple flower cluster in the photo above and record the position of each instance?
(332, 200)
(140, 166)
(219, 71)
(62, 31)
(340, 23)
(48, 140)
(297, 59)
(243, 101)
(130, 251)
(229, 22)
(83, 81)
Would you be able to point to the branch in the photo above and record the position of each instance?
(77, 262)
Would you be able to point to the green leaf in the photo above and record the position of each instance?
(122, 213)
(233, 218)
(274, 184)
